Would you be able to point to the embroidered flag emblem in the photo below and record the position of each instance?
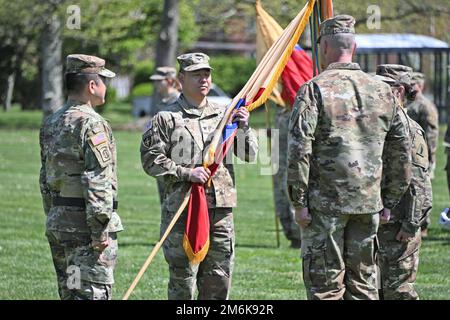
(98, 138)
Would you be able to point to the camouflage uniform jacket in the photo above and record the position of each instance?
(409, 210)
(339, 125)
(78, 156)
(425, 113)
(174, 144)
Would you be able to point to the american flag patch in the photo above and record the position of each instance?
(98, 138)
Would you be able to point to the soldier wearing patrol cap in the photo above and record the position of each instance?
(172, 149)
(424, 112)
(399, 236)
(168, 88)
(339, 124)
(78, 182)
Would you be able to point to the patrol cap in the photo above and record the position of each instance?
(387, 80)
(399, 73)
(417, 77)
(342, 23)
(162, 73)
(193, 61)
(81, 63)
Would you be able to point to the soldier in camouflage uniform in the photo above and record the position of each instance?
(340, 123)
(78, 182)
(446, 145)
(166, 83)
(168, 87)
(425, 113)
(283, 207)
(400, 237)
(172, 149)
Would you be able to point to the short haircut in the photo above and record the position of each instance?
(343, 41)
(75, 82)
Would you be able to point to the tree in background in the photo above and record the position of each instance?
(51, 62)
(122, 32)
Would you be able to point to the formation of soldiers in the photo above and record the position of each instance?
(357, 173)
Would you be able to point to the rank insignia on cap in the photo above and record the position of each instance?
(98, 138)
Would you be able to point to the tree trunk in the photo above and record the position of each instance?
(166, 47)
(10, 90)
(52, 68)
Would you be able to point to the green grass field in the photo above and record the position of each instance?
(262, 271)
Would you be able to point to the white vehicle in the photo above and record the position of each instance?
(143, 104)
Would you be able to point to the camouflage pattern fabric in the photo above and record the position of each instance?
(336, 140)
(283, 207)
(398, 262)
(425, 113)
(175, 143)
(212, 277)
(447, 167)
(340, 123)
(447, 152)
(415, 205)
(165, 102)
(170, 149)
(78, 157)
(82, 273)
(338, 256)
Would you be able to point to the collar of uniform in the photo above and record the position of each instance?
(73, 102)
(344, 65)
(208, 110)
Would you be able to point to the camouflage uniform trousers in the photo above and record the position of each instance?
(161, 187)
(284, 209)
(338, 256)
(398, 264)
(428, 202)
(447, 167)
(213, 275)
(82, 273)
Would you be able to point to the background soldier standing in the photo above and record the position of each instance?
(400, 237)
(339, 125)
(424, 112)
(168, 87)
(172, 149)
(78, 183)
(284, 209)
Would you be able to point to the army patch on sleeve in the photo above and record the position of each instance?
(104, 153)
(99, 138)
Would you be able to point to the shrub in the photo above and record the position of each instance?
(142, 89)
(232, 72)
(142, 71)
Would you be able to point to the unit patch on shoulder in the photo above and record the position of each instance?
(99, 138)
